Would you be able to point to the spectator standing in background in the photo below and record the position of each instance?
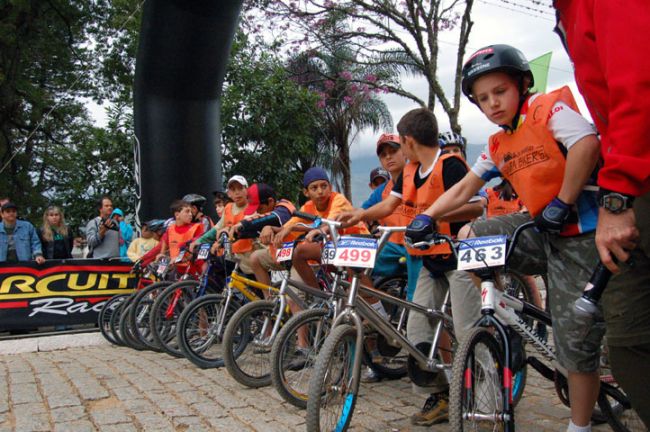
(126, 231)
(144, 243)
(55, 236)
(102, 232)
(18, 239)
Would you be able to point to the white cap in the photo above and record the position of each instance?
(239, 179)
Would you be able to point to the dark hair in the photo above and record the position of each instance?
(421, 125)
(100, 202)
(178, 205)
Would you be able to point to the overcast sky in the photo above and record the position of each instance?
(493, 23)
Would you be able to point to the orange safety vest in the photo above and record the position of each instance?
(497, 206)
(398, 217)
(530, 158)
(310, 208)
(176, 240)
(229, 219)
(417, 200)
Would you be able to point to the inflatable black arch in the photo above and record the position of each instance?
(180, 67)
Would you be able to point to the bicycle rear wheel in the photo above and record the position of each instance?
(477, 397)
(106, 314)
(201, 327)
(165, 312)
(247, 343)
(139, 314)
(334, 385)
(292, 365)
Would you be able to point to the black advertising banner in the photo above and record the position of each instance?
(59, 292)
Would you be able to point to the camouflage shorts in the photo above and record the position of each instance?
(568, 262)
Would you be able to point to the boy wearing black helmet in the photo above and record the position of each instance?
(197, 201)
(548, 152)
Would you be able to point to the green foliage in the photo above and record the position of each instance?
(269, 122)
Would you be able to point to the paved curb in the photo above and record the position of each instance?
(51, 343)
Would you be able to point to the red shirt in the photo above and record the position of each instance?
(607, 42)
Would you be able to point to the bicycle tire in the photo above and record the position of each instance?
(125, 329)
(138, 314)
(251, 364)
(290, 375)
(163, 327)
(341, 394)
(198, 330)
(479, 355)
(105, 315)
(115, 321)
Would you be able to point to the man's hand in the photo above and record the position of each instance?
(266, 235)
(421, 229)
(214, 249)
(39, 259)
(193, 246)
(553, 217)
(351, 217)
(616, 235)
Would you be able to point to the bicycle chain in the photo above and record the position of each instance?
(527, 332)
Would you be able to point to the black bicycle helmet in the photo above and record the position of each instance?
(495, 58)
(156, 225)
(195, 199)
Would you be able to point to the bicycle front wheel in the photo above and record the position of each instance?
(106, 314)
(247, 343)
(201, 327)
(295, 351)
(165, 312)
(477, 397)
(334, 385)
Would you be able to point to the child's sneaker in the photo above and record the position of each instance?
(435, 410)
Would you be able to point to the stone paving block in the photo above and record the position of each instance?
(32, 422)
(126, 393)
(62, 398)
(108, 411)
(192, 397)
(122, 427)
(75, 426)
(138, 405)
(60, 415)
(22, 377)
(209, 409)
(24, 393)
(228, 424)
(153, 421)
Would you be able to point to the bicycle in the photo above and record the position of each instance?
(333, 387)
(292, 366)
(482, 388)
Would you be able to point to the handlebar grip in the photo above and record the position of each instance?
(597, 283)
(303, 215)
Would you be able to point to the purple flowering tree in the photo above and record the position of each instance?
(397, 35)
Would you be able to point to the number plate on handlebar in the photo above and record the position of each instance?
(481, 252)
(285, 253)
(204, 251)
(351, 252)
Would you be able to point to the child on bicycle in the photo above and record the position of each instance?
(429, 173)
(143, 244)
(454, 143)
(548, 152)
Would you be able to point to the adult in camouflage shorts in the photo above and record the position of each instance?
(569, 263)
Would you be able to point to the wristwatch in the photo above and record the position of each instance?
(614, 202)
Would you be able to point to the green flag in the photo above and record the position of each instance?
(539, 66)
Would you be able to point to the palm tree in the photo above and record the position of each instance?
(349, 101)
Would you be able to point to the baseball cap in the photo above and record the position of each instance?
(256, 194)
(387, 139)
(9, 205)
(379, 172)
(239, 179)
(314, 174)
(117, 212)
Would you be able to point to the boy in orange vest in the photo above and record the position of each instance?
(548, 152)
(428, 174)
(179, 232)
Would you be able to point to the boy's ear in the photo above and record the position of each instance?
(304, 192)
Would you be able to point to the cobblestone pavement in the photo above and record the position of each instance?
(107, 388)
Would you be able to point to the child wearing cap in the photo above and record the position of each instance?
(378, 177)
